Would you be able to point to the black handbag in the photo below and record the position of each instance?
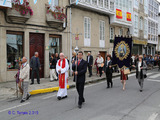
(145, 76)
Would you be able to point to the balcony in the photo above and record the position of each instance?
(101, 6)
(50, 19)
(15, 16)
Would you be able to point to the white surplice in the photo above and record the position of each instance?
(63, 92)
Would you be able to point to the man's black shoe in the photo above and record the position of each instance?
(59, 98)
(28, 96)
(79, 106)
(64, 97)
(89, 75)
(141, 90)
(31, 83)
(38, 82)
(22, 101)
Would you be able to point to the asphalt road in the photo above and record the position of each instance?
(101, 103)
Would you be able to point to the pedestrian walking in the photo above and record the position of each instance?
(53, 75)
(24, 78)
(80, 77)
(100, 63)
(123, 78)
(35, 67)
(108, 70)
(62, 70)
(90, 63)
(141, 71)
(96, 64)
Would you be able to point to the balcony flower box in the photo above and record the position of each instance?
(55, 17)
(19, 13)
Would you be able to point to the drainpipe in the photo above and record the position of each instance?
(70, 14)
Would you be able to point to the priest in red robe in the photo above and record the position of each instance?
(62, 70)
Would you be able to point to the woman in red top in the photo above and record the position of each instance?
(123, 78)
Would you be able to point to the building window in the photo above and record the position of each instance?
(145, 27)
(121, 32)
(100, 3)
(88, 1)
(87, 31)
(146, 6)
(102, 30)
(136, 3)
(111, 33)
(112, 5)
(14, 49)
(136, 22)
(106, 4)
(53, 4)
(141, 1)
(55, 44)
(141, 23)
(94, 2)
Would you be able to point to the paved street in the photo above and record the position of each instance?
(101, 103)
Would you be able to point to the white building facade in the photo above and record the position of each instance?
(139, 29)
(153, 8)
(121, 21)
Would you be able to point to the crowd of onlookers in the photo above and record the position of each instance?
(149, 59)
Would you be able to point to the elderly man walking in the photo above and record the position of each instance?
(24, 78)
(35, 67)
(62, 70)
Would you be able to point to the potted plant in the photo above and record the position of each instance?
(19, 13)
(23, 9)
(57, 12)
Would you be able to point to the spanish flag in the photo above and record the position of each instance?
(128, 16)
(119, 13)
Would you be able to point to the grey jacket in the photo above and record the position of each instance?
(33, 63)
(24, 73)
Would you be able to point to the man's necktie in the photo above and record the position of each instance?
(79, 62)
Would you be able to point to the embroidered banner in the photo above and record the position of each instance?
(122, 51)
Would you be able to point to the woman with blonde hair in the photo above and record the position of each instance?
(141, 68)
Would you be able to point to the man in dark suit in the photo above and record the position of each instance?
(35, 67)
(108, 70)
(79, 76)
(90, 63)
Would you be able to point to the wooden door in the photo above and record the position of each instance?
(37, 45)
(103, 54)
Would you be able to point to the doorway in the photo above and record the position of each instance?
(37, 45)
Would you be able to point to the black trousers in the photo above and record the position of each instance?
(109, 82)
(80, 90)
(37, 74)
(100, 71)
(90, 69)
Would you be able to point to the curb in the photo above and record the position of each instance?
(53, 89)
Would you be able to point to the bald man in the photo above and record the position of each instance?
(62, 70)
(24, 78)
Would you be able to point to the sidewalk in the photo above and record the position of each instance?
(8, 89)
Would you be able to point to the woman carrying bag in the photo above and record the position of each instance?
(141, 71)
(123, 78)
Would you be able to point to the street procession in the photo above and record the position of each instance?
(80, 60)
